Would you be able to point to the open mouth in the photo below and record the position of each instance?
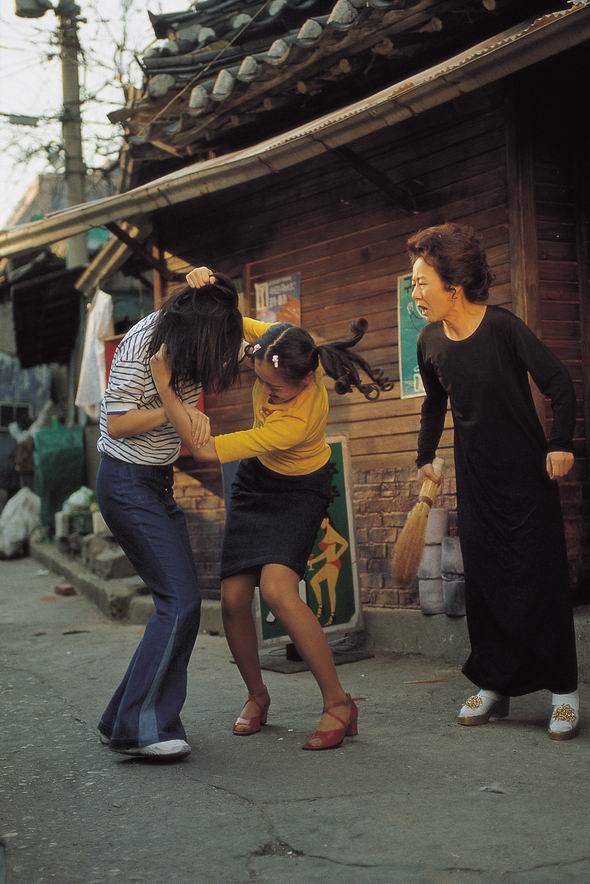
(422, 309)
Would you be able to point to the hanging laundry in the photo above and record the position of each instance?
(92, 383)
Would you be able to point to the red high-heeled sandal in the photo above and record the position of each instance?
(334, 738)
(243, 727)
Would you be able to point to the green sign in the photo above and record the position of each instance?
(330, 586)
(409, 325)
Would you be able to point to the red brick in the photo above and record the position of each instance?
(364, 492)
(372, 581)
(378, 535)
(395, 520)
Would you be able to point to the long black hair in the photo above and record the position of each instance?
(202, 330)
(294, 353)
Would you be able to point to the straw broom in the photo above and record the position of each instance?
(410, 544)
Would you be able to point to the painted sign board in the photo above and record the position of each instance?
(409, 325)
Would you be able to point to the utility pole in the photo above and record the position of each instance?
(67, 13)
(75, 171)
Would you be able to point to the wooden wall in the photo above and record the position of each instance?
(561, 207)
(488, 160)
(348, 241)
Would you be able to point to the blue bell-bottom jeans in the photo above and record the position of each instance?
(137, 504)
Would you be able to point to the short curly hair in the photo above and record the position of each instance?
(456, 254)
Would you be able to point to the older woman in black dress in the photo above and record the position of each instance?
(519, 613)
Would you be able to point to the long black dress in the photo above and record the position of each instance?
(519, 614)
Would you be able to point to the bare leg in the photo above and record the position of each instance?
(240, 630)
(279, 586)
(332, 575)
(316, 586)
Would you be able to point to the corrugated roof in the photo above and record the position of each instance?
(484, 63)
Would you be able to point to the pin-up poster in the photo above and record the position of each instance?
(330, 585)
(279, 299)
(410, 323)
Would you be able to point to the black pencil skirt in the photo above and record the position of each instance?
(273, 518)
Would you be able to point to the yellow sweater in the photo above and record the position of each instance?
(287, 437)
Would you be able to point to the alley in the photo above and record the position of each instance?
(414, 798)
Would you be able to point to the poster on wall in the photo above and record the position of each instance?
(409, 325)
(330, 586)
(279, 299)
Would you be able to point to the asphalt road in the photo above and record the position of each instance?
(414, 798)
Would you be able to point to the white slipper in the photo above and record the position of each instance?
(483, 706)
(167, 750)
(564, 722)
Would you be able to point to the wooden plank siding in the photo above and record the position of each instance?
(349, 244)
(563, 325)
(488, 160)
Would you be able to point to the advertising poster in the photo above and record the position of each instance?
(330, 587)
(279, 299)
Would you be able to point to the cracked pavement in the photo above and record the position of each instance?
(414, 798)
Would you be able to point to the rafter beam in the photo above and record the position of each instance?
(400, 196)
(139, 250)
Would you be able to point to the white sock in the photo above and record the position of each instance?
(572, 700)
(565, 703)
(480, 703)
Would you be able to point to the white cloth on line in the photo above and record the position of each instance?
(92, 383)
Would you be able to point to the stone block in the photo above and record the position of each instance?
(112, 564)
(431, 596)
(92, 545)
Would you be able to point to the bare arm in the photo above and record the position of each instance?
(194, 430)
(207, 452)
(135, 422)
(177, 415)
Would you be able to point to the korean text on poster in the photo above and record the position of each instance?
(409, 325)
(279, 300)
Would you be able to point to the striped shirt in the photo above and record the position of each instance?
(131, 386)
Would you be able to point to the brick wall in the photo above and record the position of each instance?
(382, 500)
(202, 501)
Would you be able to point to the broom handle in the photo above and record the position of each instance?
(438, 466)
(429, 488)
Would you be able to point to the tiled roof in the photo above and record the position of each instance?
(474, 67)
(220, 67)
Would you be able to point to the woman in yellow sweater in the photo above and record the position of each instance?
(278, 501)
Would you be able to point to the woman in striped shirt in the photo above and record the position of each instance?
(202, 334)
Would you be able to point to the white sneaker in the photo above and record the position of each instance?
(103, 738)
(564, 722)
(164, 751)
